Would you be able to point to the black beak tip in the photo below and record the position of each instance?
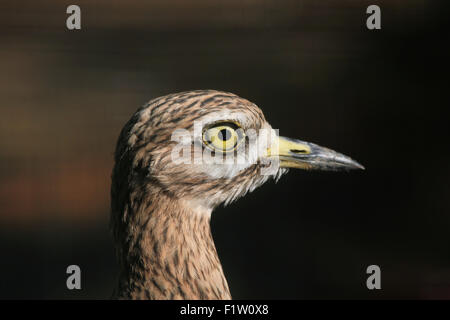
(359, 166)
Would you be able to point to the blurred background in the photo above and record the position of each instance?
(317, 73)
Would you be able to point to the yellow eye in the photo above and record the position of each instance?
(224, 136)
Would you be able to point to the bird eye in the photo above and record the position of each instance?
(224, 136)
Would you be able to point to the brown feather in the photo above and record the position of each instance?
(163, 239)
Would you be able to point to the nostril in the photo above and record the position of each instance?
(298, 151)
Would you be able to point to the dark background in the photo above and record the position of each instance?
(317, 73)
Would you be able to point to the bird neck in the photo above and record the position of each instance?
(169, 252)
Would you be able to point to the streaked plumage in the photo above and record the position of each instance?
(161, 210)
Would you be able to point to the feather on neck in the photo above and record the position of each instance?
(167, 251)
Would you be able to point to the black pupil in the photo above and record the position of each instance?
(224, 135)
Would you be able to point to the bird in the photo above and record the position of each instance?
(161, 203)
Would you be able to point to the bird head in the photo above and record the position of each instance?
(209, 147)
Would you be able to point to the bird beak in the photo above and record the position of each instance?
(294, 153)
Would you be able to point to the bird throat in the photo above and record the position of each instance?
(168, 252)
